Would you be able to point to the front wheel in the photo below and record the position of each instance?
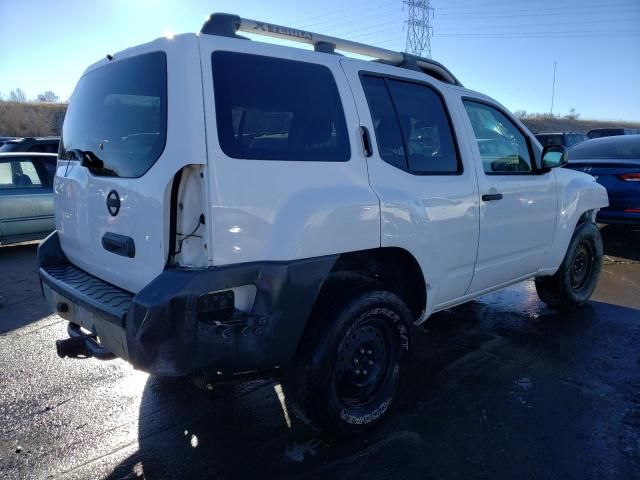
(577, 277)
(349, 370)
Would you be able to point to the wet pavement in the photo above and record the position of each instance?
(500, 388)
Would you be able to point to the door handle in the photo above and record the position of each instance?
(490, 197)
(366, 141)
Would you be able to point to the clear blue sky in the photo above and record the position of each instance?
(503, 48)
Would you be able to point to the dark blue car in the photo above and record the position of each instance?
(615, 164)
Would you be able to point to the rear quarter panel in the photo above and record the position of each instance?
(274, 210)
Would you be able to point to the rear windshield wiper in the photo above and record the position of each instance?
(91, 161)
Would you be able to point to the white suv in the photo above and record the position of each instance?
(225, 207)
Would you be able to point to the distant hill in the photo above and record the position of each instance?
(546, 123)
(30, 119)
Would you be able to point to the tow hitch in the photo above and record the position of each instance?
(81, 345)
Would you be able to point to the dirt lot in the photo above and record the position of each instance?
(499, 388)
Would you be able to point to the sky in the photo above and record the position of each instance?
(503, 48)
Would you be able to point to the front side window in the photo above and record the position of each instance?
(411, 125)
(117, 117)
(503, 147)
(276, 109)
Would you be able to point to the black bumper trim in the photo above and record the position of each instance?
(89, 292)
(161, 326)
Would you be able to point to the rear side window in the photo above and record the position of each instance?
(411, 125)
(19, 174)
(117, 116)
(275, 109)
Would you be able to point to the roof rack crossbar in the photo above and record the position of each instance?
(227, 25)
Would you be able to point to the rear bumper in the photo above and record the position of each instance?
(618, 217)
(160, 329)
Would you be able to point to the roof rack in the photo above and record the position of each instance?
(224, 24)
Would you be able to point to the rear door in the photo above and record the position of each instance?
(422, 172)
(132, 124)
(26, 204)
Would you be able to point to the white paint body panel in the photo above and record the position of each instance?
(286, 210)
(265, 210)
(516, 232)
(577, 193)
(80, 197)
(434, 217)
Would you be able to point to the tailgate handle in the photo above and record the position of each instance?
(119, 244)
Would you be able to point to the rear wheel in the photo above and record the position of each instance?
(577, 277)
(348, 368)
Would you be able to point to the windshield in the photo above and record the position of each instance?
(118, 117)
(615, 148)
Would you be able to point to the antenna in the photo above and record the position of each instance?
(553, 88)
(419, 27)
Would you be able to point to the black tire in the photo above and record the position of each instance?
(577, 277)
(348, 368)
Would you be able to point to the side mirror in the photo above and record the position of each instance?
(554, 156)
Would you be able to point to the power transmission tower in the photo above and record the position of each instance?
(419, 27)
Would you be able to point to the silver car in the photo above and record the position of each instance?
(26, 201)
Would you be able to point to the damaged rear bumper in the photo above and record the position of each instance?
(167, 329)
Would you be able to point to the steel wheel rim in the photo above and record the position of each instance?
(581, 267)
(364, 361)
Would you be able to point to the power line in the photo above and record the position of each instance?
(601, 9)
(419, 27)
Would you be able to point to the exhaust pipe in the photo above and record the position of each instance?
(81, 345)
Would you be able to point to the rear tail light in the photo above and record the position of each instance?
(630, 177)
(632, 210)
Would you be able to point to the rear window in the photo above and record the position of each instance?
(605, 132)
(615, 148)
(275, 109)
(11, 146)
(117, 117)
(546, 140)
(50, 147)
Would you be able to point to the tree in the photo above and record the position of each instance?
(48, 97)
(17, 95)
(573, 115)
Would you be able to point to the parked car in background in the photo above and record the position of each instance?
(566, 139)
(26, 201)
(4, 140)
(615, 163)
(611, 132)
(31, 144)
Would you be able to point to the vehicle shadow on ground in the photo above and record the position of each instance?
(622, 241)
(21, 300)
(497, 388)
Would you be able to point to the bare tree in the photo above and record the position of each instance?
(48, 97)
(573, 115)
(17, 95)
